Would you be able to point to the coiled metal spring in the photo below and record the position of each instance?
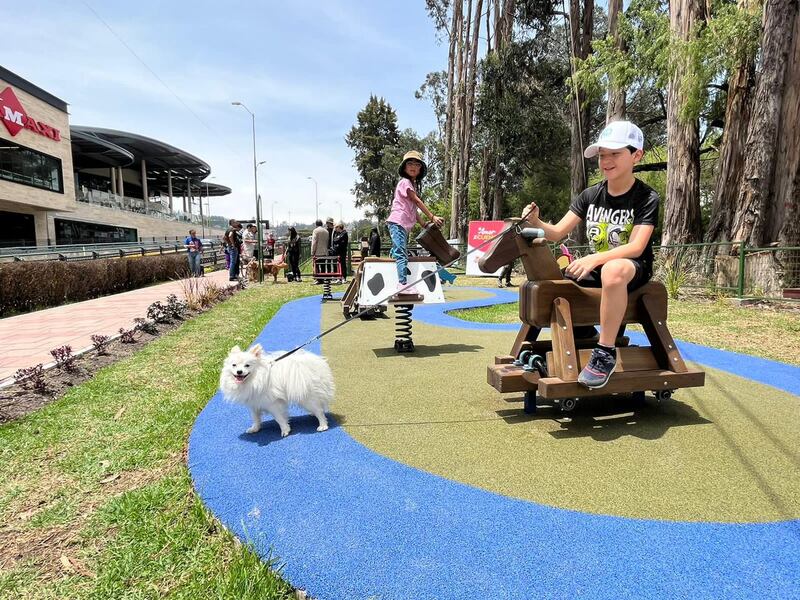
(403, 341)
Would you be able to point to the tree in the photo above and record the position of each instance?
(374, 134)
(756, 203)
(682, 222)
(616, 92)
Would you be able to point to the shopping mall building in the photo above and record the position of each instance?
(62, 184)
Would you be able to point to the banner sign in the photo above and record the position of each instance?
(479, 232)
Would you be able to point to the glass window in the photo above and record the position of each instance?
(29, 167)
(80, 232)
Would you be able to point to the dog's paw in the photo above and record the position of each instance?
(253, 429)
(322, 428)
(285, 432)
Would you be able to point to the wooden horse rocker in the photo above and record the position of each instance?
(548, 369)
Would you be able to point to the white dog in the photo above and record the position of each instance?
(254, 379)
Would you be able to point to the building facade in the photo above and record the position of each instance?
(79, 185)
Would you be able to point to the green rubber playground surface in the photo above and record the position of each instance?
(726, 452)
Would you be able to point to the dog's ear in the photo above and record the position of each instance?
(257, 350)
(235, 349)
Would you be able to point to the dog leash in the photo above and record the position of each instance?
(516, 227)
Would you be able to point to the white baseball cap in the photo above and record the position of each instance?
(616, 135)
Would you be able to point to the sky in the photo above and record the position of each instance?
(304, 67)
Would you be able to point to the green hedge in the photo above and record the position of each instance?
(26, 286)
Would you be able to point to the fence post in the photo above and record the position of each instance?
(740, 286)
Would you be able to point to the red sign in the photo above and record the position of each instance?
(16, 119)
(479, 233)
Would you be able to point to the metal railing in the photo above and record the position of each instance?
(96, 251)
(727, 268)
(159, 210)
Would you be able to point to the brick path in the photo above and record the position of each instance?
(26, 340)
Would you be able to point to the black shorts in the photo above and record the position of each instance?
(644, 272)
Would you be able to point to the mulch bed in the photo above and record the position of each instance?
(18, 400)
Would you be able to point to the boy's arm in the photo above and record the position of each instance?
(421, 205)
(553, 233)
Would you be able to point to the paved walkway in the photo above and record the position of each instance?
(27, 339)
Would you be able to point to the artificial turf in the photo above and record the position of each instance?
(722, 453)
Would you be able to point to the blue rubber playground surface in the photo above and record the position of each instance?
(347, 522)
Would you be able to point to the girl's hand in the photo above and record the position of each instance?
(438, 221)
(578, 269)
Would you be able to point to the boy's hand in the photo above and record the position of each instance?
(531, 213)
(438, 221)
(578, 269)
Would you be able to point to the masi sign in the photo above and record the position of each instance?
(16, 119)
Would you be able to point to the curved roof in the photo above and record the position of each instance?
(159, 156)
(199, 188)
(90, 152)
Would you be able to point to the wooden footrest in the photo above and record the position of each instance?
(633, 381)
(508, 378)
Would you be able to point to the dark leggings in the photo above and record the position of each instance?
(294, 262)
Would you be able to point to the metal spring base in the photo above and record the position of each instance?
(402, 337)
(326, 290)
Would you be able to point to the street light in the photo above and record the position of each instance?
(202, 220)
(316, 196)
(258, 199)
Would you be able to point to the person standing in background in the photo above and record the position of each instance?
(340, 246)
(293, 254)
(194, 248)
(374, 242)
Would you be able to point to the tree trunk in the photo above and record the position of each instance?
(448, 123)
(787, 169)
(580, 41)
(615, 111)
(751, 223)
(682, 223)
(485, 210)
(457, 122)
(731, 154)
(467, 117)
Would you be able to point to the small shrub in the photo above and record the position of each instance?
(145, 326)
(158, 312)
(210, 294)
(192, 287)
(127, 336)
(32, 378)
(100, 343)
(176, 309)
(64, 358)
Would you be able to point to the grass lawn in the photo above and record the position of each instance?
(95, 497)
(764, 332)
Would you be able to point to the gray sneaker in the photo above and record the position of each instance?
(601, 365)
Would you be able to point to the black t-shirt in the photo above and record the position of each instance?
(610, 219)
(234, 237)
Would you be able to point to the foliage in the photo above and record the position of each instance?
(64, 357)
(374, 134)
(145, 326)
(176, 309)
(32, 378)
(158, 312)
(26, 286)
(127, 336)
(100, 343)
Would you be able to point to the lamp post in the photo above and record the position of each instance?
(258, 199)
(202, 220)
(316, 197)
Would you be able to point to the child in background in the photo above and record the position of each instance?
(404, 214)
(620, 214)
